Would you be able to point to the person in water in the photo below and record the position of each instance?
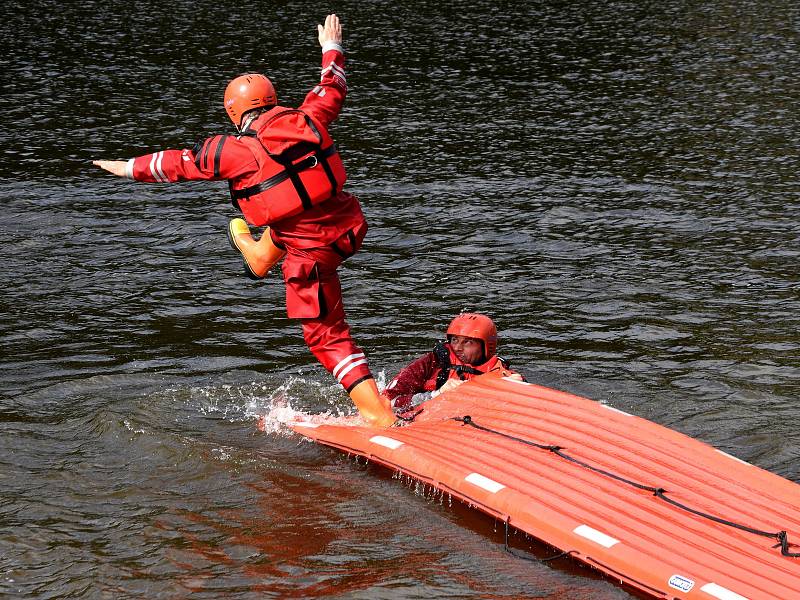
(469, 350)
(285, 174)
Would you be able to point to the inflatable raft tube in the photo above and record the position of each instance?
(648, 506)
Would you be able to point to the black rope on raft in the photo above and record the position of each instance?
(781, 536)
(409, 417)
(525, 556)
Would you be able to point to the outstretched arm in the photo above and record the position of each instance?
(326, 99)
(218, 157)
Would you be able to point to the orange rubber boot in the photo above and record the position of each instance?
(376, 409)
(260, 255)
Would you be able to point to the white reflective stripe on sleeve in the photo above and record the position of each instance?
(349, 368)
(319, 91)
(596, 536)
(154, 170)
(343, 363)
(129, 168)
(152, 166)
(712, 589)
(337, 71)
(158, 167)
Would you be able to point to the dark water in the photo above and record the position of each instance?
(615, 183)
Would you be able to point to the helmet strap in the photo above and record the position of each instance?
(248, 118)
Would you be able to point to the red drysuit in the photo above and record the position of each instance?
(316, 240)
(425, 375)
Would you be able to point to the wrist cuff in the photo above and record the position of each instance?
(327, 46)
(129, 168)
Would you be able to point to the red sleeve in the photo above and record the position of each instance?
(411, 380)
(218, 157)
(325, 101)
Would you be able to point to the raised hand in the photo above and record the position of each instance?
(331, 31)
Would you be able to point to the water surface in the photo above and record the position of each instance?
(616, 184)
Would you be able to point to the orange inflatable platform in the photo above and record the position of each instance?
(648, 506)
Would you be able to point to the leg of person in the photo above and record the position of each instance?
(313, 294)
(260, 255)
(330, 341)
(362, 388)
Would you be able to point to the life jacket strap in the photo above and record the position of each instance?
(442, 355)
(345, 254)
(292, 171)
(462, 369)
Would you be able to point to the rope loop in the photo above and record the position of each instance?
(784, 544)
(658, 492)
(411, 417)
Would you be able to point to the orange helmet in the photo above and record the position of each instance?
(478, 326)
(247, 92)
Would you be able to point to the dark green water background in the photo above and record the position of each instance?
(616, 183)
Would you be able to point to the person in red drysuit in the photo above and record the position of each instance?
(470, 350)
(285, 174)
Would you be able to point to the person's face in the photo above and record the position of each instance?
(469, 350)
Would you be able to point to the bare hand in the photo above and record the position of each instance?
(450, 385)
(331, 31)
(117, 167)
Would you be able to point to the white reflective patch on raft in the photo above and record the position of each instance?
(386, 442)
(305, 424)
(596, 536)
(516, 380)
(744, 462)
(616, 410)
(712, 589)
(484, 482)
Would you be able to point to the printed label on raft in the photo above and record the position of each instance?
(681, 583)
